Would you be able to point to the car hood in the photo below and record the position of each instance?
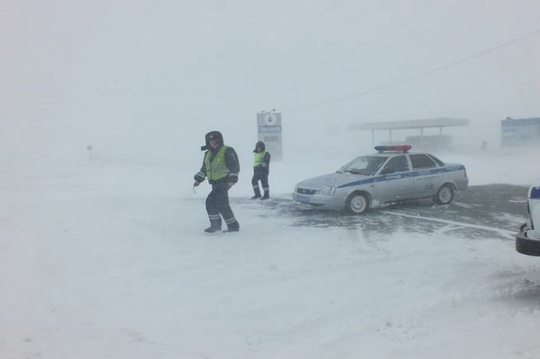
(332, 179)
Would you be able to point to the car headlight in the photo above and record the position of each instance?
(327, 191)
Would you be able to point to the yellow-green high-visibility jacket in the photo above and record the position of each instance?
(216, 168)
(258, 158)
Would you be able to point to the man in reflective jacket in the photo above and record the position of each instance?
(261, 168)
(221, 167)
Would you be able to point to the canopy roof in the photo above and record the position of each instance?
(410, 124)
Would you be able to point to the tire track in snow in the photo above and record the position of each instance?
(503, 232)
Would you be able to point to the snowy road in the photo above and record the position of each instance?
(494, 211)
(107, 262)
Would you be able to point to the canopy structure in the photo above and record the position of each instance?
(408, 125)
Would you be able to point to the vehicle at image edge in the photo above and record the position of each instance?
(392, 174)
(528, 238)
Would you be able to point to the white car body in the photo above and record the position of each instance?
(391, 175)
(528, 238)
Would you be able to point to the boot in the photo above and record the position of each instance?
(257, 193)
(215, 223)
(266, 194)
(233, 227)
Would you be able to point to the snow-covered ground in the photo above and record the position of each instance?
(106, 258)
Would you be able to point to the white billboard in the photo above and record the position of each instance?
(519, 132)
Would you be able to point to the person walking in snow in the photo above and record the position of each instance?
(221, 167)
(261, 169)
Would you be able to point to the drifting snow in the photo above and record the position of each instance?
(107, 259)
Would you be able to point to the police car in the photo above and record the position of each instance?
(528, 238)
(392, 174)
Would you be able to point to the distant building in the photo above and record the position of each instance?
(520, 132)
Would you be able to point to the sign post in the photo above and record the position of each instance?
(269, 131)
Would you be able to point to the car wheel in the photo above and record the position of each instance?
(526, 245)
(444, 195)
(357, 203)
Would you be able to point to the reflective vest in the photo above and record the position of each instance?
(216, 169)
(258, 158)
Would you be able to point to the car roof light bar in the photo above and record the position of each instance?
(396, 148)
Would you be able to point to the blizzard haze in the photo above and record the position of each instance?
(103, 255)
(149, 79)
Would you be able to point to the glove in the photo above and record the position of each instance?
(196, 183)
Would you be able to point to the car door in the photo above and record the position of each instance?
(426, 175)
(394, 182)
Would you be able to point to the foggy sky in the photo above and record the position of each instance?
(158, 75)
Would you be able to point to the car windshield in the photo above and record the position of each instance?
(364, 165)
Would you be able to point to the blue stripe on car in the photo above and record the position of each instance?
(393, 177)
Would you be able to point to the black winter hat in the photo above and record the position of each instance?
(261, 145)
(210, 135)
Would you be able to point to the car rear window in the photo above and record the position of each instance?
(421, 160)
(439, 162)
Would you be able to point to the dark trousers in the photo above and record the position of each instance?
(217, 206)
(260, 176)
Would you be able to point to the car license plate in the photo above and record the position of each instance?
(301, 199)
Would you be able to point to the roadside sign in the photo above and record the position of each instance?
(269, 131)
